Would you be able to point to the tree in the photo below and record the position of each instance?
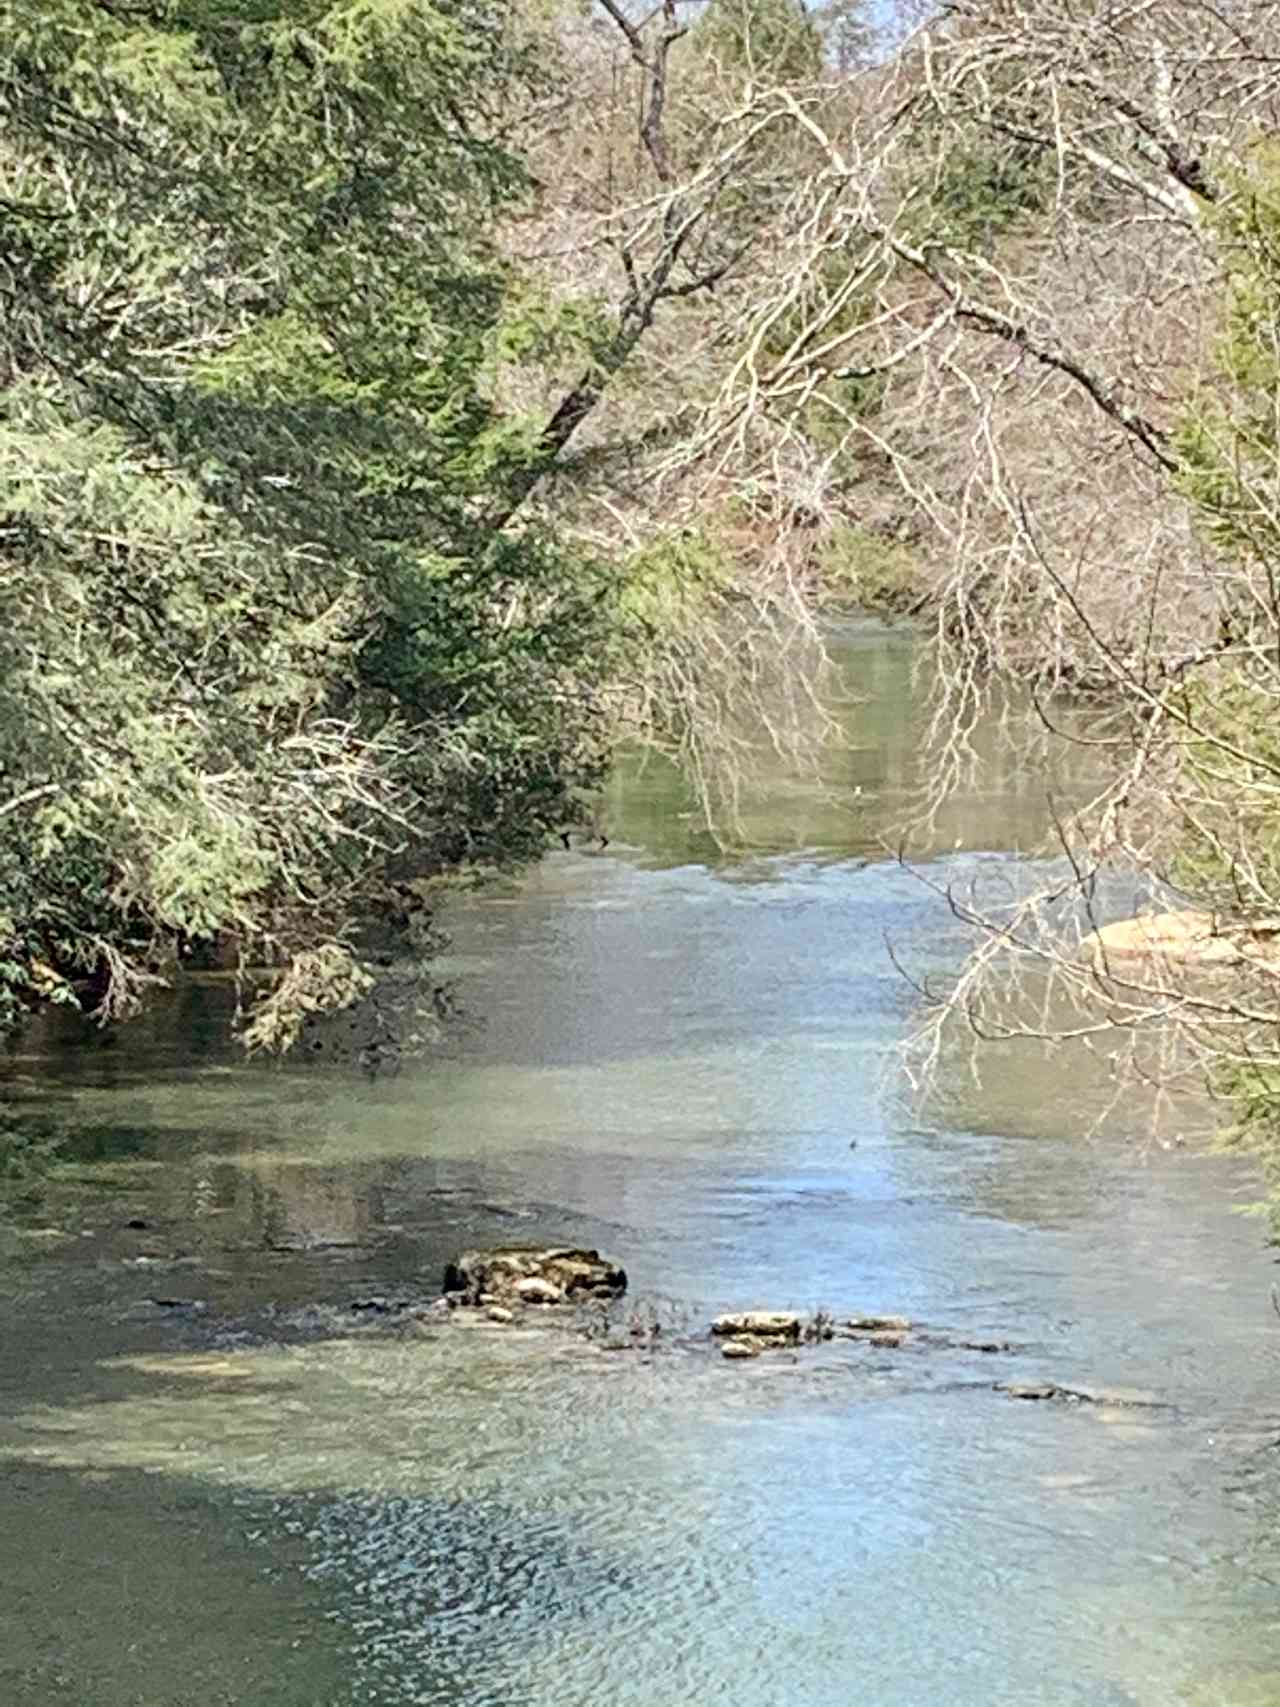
(769, 41)
(295, 611)
(660, 178)
(1037, 215)
(265, 646)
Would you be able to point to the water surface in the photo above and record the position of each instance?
(251, 1492)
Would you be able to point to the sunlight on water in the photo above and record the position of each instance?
(236, 1470)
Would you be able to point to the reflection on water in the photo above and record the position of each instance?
(872, 776)
(252, 1492)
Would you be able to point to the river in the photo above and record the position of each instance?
(252, 1492)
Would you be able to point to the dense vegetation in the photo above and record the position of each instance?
(403, 398)
(262, 636)
(282, 626)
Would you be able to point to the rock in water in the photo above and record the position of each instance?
(571, 1273)
(1186, 938)
(879, 1324)
(758, 1324)
(740, 1348)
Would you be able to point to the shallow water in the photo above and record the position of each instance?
(253, 1493)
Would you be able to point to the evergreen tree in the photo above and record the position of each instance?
(263, 645)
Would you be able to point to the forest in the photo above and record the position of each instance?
(406, 402)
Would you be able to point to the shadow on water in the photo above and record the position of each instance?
(114, 1564)
(225, 1478)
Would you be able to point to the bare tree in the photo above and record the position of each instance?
(1000, 289)
(661, 175)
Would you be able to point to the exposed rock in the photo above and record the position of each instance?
(1108, 1399)
(1114, 1398)
(985, 1345)
(532, 1290)
(574, 1274)
(879, 1324)
(759, 1324)
(1184, 938)
(439, 1310)
(585, 1273)
(741, 1348)
(496, 1313)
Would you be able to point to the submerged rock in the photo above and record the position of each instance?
(439, 1310)
(759, 1324)
(505, 1271)
(879, 1324)
(1107, 1399)
(1115, 1398)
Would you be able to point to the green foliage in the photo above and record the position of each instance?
(1229, 440)
(823, 324)
(1230, 853)
(1252, 1088)
(982, 192)
(262, 646)
(669, 584)
(773, 41)
(1228, 444)
(868, 570)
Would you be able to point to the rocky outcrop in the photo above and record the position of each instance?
(776, 1327)
(533, 1274)
(1182, 939)
(534, 1290)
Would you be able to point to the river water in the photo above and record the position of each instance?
(252, 1492)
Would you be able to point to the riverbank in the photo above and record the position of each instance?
(676, 1057)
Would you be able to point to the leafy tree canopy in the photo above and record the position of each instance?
(263, 644)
